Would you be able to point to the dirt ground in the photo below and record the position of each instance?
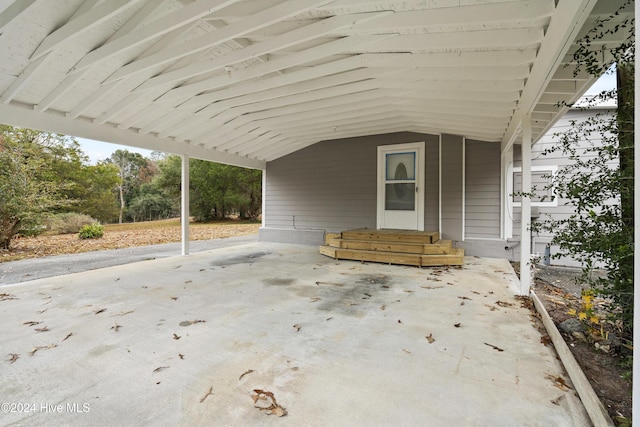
(606, 371)
(118, 236)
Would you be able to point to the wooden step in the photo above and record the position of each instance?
(405, 236)
(456, 257)
(441, 247)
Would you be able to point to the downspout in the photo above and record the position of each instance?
(525, 220)
(184, 211)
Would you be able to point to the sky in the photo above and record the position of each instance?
(98, 151)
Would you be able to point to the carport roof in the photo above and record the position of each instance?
(246, 82)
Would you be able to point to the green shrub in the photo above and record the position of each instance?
(68, 223)
(92, 231)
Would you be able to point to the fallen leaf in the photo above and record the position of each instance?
(406, 290)
(297, 327)
(329, 318)
(174, 298)
(31, 323)
(504, 304)
(406, 351)
(273, 408)
(176, 337)
(122, 313)
(5, 296)
(457, 325)
(399, 321)
(382, 307)
(463, 298)
(44, 329)
(207, 394)
(432, 287)
(68, 336)
(13, 357)
(115, 327)
(430, 338)
(245, 373)
(160, 368)
(494, 347)
(558, 382)
(181, 356)
(41, 347)
(315, 299)
(102, 310)
(545, 340)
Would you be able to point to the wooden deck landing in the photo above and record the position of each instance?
(419, 248)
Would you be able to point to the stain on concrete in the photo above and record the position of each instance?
(277, 281)
(241, 259)
(353, 297)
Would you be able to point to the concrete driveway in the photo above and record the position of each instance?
(185, 341)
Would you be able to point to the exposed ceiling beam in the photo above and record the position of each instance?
(238, 29)
(11, 13)
(21, 81)
(56, 122)
(85, 22)
(71, 80)
(500, 13)
(282, 41)
(308, 55)
(159, 27)
(566, 23)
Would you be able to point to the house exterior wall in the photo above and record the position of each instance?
(452, 187)
(482, 190)
(332, 186)
(542, 164)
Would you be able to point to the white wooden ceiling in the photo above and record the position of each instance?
(248, 81)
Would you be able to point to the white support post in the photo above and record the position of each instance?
(525, 221)
(184, 212)
(506, 187)
(264, 196)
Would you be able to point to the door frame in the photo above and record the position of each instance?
(419, 147)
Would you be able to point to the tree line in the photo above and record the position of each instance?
(44, 174)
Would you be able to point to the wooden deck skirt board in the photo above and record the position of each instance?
(417, 248)
(455, 258)
(441, 247)
(408, 236)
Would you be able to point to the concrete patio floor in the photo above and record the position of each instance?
(337, 343)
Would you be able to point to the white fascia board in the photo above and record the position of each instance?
(52, 122)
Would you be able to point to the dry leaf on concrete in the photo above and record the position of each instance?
(31, 323)
(245, 373)
(430, 338)
(558, 382)
(41, 347)
(13, 357)
(207, 394)
(267, 403)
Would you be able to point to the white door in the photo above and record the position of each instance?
(400, 186)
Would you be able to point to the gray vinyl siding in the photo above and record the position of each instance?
(482, 189)
(540, 158)
(452, 187)
(432, 177)
(332, 185)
